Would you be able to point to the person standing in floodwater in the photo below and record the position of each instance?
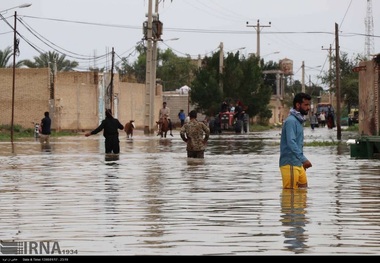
(182, 117)
(322, 118)
(293, 163)
(110, 125)
(196, 135)
(313, 121)
(44, 129)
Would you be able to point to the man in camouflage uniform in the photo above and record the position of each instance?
(196, 135)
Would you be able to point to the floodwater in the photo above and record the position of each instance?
(152, 200)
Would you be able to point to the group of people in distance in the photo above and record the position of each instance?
(194, 133)
(323, 120)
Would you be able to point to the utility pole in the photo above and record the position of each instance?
(303, 76)
(337, 62)
(15, 51)
(111, 82)
(152, 34)
(330, 70)
(221, 66)
(148, 78)
(258, 28)
(154, 69)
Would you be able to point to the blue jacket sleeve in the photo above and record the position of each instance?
(295, 139)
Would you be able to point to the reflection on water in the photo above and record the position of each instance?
(152, 200)
(46, 147)
(293, 216)
(111, 158)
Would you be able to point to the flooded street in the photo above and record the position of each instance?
(152, 200)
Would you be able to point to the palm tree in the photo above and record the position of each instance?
(5, 56)
(48, 59)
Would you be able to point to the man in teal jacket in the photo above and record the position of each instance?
(293, 163)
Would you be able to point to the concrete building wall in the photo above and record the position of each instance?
(77, 103)
(31, 96)
(131, 103)
(177, 101)
(278, 110)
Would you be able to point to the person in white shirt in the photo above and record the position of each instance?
(164, 113)
(322, 118)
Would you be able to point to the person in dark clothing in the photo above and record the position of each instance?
(110, 127)
(239, 114)
(224, 107)
(44, 128)
(330, 119)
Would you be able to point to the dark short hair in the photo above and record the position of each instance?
(46, 113)
(164, 102)
(299, 97)
(108, 113)
(193, 114)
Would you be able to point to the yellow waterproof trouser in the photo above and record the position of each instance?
(292, 176)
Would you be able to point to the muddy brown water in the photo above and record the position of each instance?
(152, 200)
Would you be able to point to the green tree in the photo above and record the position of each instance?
(126, 71)
(5, 57)
(49, 59)
(136, 70)
(205, 89)
(174, 71)
(270, 79)
(349, 80)
(241, 80)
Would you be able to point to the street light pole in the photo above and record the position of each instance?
(275, 52)
(19, 6)
(330, 71)
(15, 48)
(303, 76)
(153, 74)
(148, 78)
(221, 66)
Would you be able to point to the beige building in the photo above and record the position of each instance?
(75, 100)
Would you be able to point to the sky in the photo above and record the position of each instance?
(87, 30)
